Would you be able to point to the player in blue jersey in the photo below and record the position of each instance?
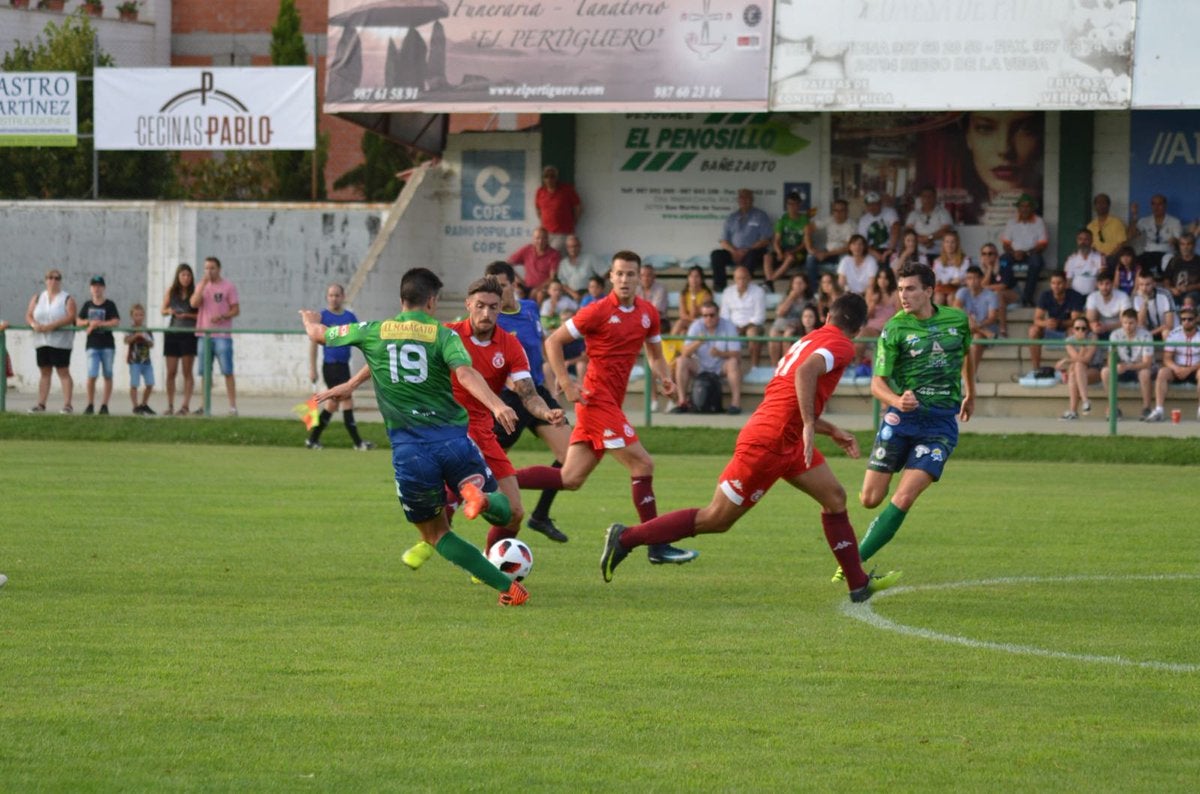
(522, 319)
(335, 370)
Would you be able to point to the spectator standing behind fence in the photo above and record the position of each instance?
(1057, 309)
(1024, 239)
(335, 370)
(179, 345)
(715, 356)
(827, 240)
(691, 298)
(1135, 358)
(1104, 306)
(138, 344)
(745, 305)
(1079, 368)
(948, 269)
(982, 307)
(1084, 264)
(98, 316)
(1158, 233)
(1154, 305)
(558, 208)
(1180, 362)
(216, 301)
(745, 239)
(50, 314)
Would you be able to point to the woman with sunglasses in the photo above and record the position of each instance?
(1079, 368)
(50, 314)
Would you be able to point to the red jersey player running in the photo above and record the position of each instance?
(777, 444)
(497, 356)
(616, 328)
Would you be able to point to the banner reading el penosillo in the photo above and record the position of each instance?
(206, 108)
(570, 56)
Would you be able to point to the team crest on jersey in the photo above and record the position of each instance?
(628, 431)
(645, 321)
(912, 339)
(498, 360)
(754, 497)
(953, 332)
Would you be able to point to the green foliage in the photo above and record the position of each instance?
(56, 172)
(287, 38)
(294, 169)
(231, 176)
(376, 176)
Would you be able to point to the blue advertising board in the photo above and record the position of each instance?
(1165, 158)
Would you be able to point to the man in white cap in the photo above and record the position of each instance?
(881, 226)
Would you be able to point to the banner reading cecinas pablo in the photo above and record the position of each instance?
(183, 109)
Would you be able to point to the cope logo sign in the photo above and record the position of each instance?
(493, 186)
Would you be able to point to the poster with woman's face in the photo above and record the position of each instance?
(979, 162)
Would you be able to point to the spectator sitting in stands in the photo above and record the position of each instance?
(999, 281)
(930, 220)
(787, 316)
(576, 267)
(857, 269)
(827, 292)
(574, 352)
(649, 289)
(1154, 305)
(556, 302)
(691, 298)
(1057, 309)
(1125, 269)
(1135, 358)
(745, 305)
(1180, 362)
(716, 356)
(1182, 276)
(745, 239)
(1084, 264)
(948, 269)
(827, 241)
(1079, 368)
(880, 226)
(595, 291)
(1024, 239)
(787, 248)
(909, 250)
(1159, 232)
(1108, 233)
(1105, 306)
(883, 300)
(983, 311)
(540, 263)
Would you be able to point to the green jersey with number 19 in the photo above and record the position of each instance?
(411, 357)
(925, 356)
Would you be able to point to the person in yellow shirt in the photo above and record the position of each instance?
(1108, 232)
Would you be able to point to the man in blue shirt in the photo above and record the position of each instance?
(335, 370)
(745, 240)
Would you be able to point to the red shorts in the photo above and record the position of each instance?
(493, 454)
(754, 469)
(603, 426)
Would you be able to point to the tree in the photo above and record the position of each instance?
(59, 172)
(376, 177)
(293, 169)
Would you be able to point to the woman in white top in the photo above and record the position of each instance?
(50, 314)
(949, 269)
(857, 269)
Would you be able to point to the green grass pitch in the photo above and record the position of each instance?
(237, 618)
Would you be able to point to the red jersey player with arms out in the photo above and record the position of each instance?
(777, 444)
(616, 328)
(498, 357)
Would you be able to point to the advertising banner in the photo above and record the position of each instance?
(1165, 158)
(979, 162)
(206, 108)
(894, 55)
(37, 109)
(577, 56)
(492, 217)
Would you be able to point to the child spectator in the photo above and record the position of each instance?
(1125, 269)
(138, 343)
(556, 302)
(983, 311)
(948, 269)
(99, 315)
(595, 291)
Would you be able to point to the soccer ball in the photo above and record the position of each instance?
(511, 556)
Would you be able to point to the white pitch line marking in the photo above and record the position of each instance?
(864, 612)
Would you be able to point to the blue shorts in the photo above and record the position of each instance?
(141, 373)
(425, 468)
(100, 358)
(921, 439)
(220, 348)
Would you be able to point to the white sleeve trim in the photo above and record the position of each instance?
(570, 326)
(825, 354)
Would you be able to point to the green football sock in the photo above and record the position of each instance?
(471, 560)
(881, 530)
(498, 511)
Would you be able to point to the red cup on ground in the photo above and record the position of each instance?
(1176, 416)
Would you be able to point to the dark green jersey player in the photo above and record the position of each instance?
(409, 359)
(925, 380)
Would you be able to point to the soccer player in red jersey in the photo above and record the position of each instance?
(615, 329)
(777, 444)
(498, 357)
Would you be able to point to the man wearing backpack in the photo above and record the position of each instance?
(704, 355)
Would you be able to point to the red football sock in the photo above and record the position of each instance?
(839, 534)
(496, 534)
(643, 498)
(539, 478)
(673, 526)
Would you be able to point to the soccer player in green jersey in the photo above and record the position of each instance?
(925, 380)
(409, 359)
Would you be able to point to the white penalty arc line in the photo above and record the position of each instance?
(864, 612)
